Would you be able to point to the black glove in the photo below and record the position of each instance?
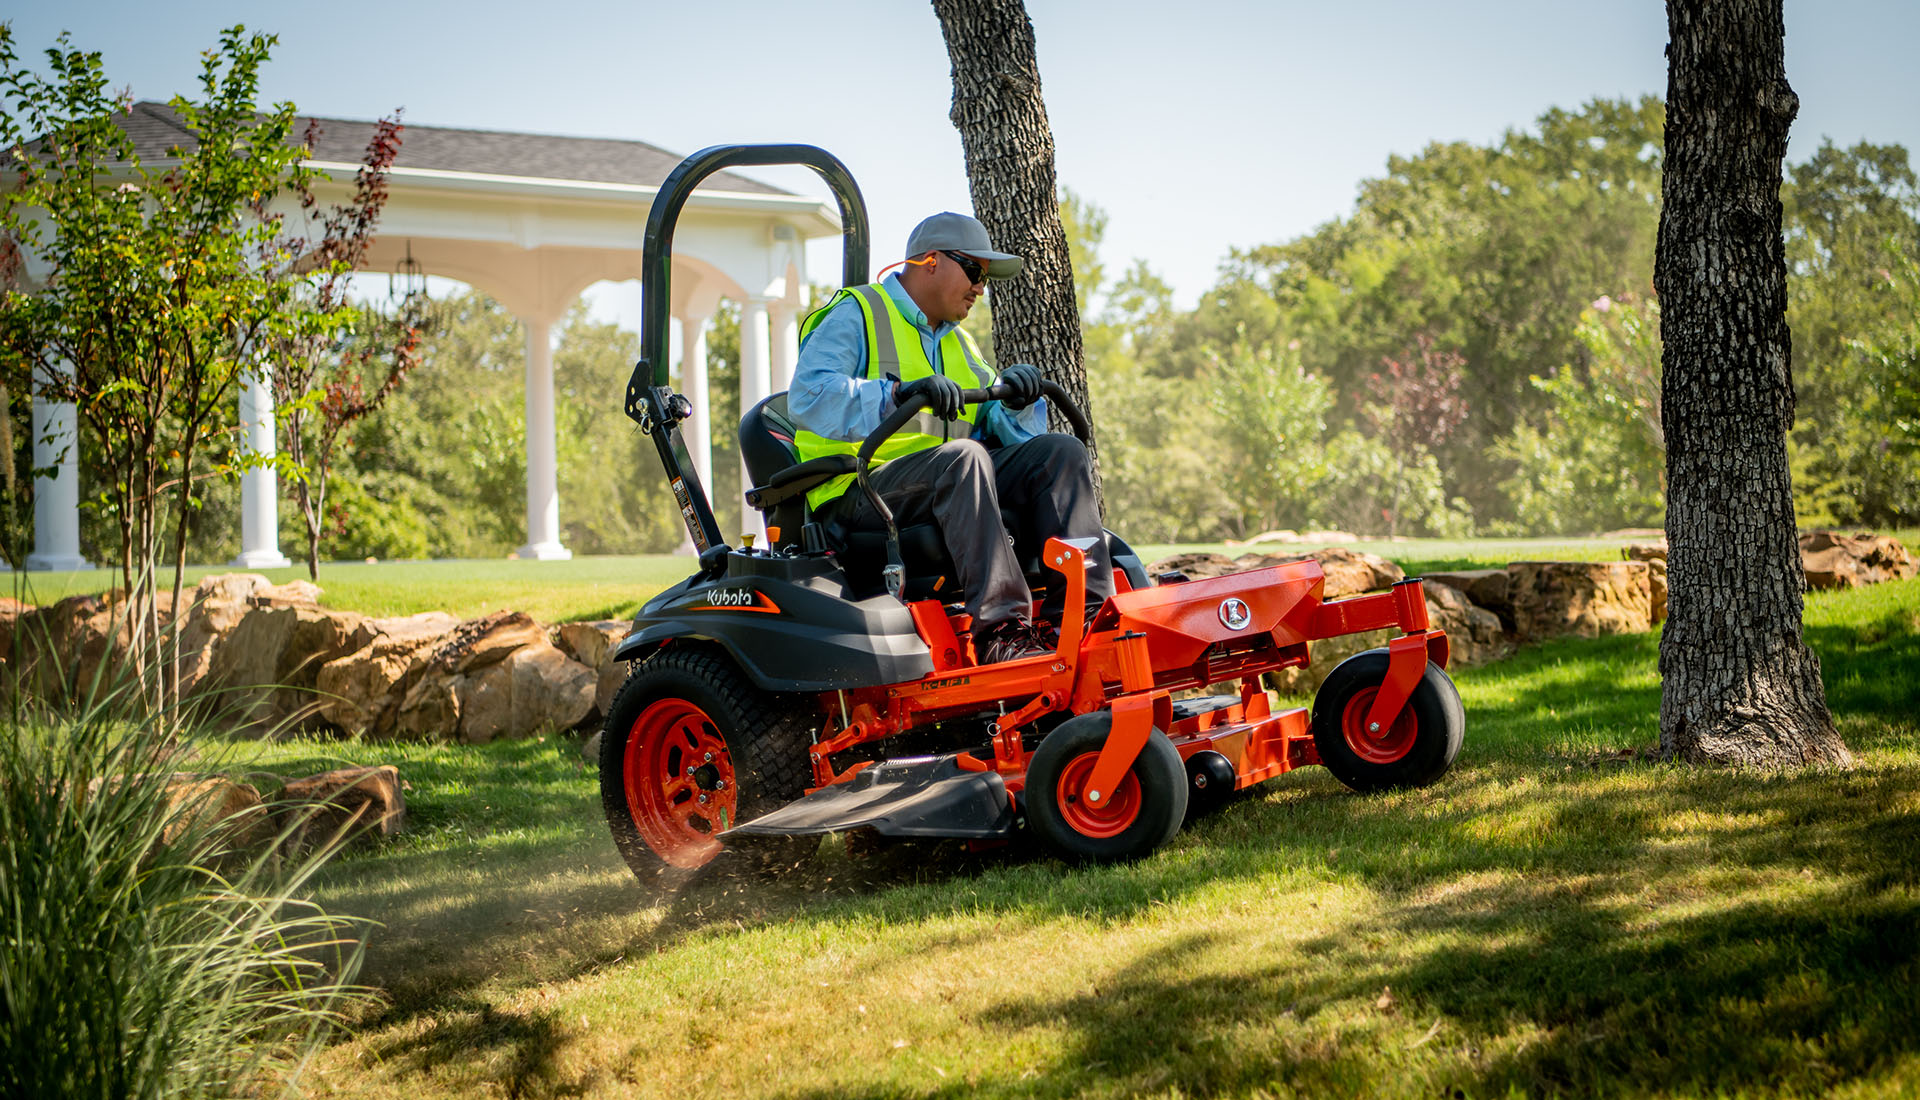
(942, 395)
(1024, 380)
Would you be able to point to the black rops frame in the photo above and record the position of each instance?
(650, 403)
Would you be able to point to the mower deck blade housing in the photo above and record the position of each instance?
(927, 796)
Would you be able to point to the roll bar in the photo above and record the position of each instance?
(649, 402)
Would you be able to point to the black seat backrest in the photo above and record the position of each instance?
(766, 439)
(767, 447)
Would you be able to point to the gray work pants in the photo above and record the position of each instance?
(1047, 485)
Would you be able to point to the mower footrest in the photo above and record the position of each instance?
(929, 796)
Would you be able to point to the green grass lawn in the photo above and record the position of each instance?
(1559, 915)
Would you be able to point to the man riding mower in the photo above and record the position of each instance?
(875, 666)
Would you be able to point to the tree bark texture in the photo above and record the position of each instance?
(1738, 683)
(1002, 119)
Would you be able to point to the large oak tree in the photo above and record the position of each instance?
(1738, 683)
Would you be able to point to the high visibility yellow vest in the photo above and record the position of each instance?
(894, 350)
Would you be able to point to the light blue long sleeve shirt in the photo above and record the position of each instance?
(832, 396)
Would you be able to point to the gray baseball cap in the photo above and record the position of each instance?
(960, 233)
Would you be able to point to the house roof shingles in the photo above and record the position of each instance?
(155, 129)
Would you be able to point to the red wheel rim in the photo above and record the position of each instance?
(1107, 818)
(1384, 746)
(680, 782)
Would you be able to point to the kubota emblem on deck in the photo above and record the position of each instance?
(1234, 613)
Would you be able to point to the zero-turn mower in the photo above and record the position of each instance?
(821, 684)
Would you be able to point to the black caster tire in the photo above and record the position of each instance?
(1415, 751)
(1136, 819)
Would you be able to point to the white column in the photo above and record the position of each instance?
(786, 344)
(755, 384)
(259, 485)
(697, 430)
(543, 464)
(56, 499)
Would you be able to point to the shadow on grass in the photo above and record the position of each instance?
(517, 1048)
(1696, 933)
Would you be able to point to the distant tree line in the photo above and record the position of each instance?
(1321, 382)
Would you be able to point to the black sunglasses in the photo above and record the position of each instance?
(975, 271)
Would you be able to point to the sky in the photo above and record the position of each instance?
(1198, 127)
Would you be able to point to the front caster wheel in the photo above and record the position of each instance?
(1417, 749)
(1141, 815)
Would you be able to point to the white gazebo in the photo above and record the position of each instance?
(531, 220)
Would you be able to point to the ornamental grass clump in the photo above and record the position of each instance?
(153, 940)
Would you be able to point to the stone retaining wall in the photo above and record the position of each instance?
(259, 657)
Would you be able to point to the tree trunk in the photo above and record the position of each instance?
(1002, 119)
(1738, 683)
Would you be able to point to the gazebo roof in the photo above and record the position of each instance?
(156, 128)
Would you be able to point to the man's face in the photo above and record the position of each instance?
(953, 291)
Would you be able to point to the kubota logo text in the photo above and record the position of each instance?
(735, 599)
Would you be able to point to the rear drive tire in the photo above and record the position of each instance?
(1139, 817)
(691, 748)
(1416, 750)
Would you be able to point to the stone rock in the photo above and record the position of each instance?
(291, 594)
(318, 636)
(590, 749)
(58, 649)
(1485, 587)
(537, 687)
(1351, 572)
(481, 642)
(1589, 599)
(1833, 560)
(10, 612)
(430, 708)
(351, 804)
(229, 587)
(231, 813)
(427, 625)
(268, 667)
(1645, 551)
(227, 816)
(550, 688)
(486, 703)
(361, 692)
(1475, 635)
(592, 644)
(243, 669)
(217, 605)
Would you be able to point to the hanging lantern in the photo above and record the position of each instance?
(407, 286)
